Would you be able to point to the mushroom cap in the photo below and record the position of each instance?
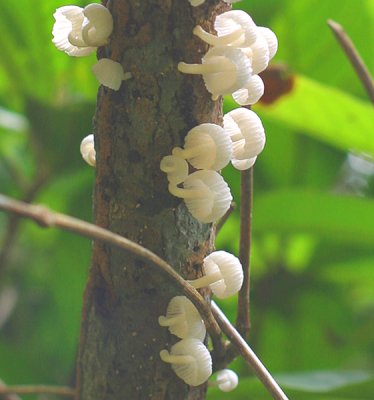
(208, 208)
(230, 21)
(87, 149)
(242, 165)
(191, 326)
(198, 371)
(227, 380)
(99, 26)
(175, 167)
(231, 270)
(69, 20)
(195, 3)
(216, 146)
(260, 54)
(246, 131)
(109, 73)
(271, 39)
(251, 92)
(229, 80)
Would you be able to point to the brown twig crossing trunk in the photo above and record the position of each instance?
(134, 128)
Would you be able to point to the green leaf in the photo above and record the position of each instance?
(340, 218)
(323, 381)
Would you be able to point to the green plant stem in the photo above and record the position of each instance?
(38, 389)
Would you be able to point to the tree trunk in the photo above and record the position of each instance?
(134, 128)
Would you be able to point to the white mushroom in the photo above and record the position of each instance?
(234, 28)
(246, 131)
(260, 54)
(223, 274)
(69, 20)
(110, 73)
(224, 69)
(78, 31)
(270, 38)
(99, 25)
(190, 360)
(251, 92)
(175, 167)
(226, 380)
(242, 165)
(206, 194)
(87, 150)
(183, 319)
(206, 146)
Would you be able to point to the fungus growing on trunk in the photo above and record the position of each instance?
(234, 28)
(206, 194)
(110, 73)
(206, 146)
(251, 92)
(226, 380)
(176, 168)
(223, 274)
(224, 69)
(87, 150)
(246, 131)
(183, 319)
(190, 360)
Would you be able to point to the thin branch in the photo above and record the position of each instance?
(47, 219)
(243, 323)
(38, 389)
(248, 354)
(223, 220)
(354, 57)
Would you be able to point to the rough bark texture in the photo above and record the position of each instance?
(134, 128)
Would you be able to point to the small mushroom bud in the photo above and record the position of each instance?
(224, 69)
(175, 167)
(246, 131)
(206, 194)
(234, 28)
(87, 150)
(226, 380)
(99, 26)
(183, 319)
(110, 73)
(271, 40)
(67, 31)
(190, 360)
(251, 92)
(207, 146)
(223, 274)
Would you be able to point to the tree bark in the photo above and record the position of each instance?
(134, 128)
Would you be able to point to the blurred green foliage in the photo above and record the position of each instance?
(313, 220)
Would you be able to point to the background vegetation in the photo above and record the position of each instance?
(313, 220)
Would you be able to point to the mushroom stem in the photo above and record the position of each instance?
(76, 39)
(191, 151)
(190, 193)
(214, 40)
(218, 64)
(165, 321)
(206, 280)
(182, 359)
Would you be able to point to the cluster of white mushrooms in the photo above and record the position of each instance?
(240, 51)
(189, 358)
(80, 31)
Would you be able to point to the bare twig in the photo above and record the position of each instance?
(248, 354)
(46, 218)
(243, 323)
(354, 57)
(38, 389)
(223, 220)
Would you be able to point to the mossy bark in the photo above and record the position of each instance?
(134, 128)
